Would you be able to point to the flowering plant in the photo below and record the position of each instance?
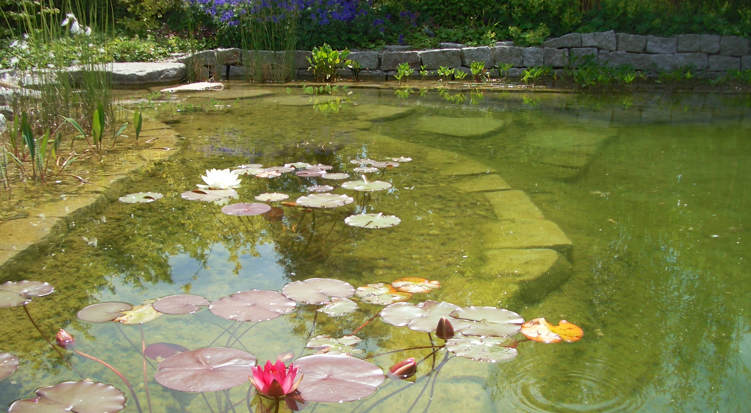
(276, 380)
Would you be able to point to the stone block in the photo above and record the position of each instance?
(481, 183)
(528, 275)
(228, 56)
(372, 75)
(705, 43)
(135, 73)
(719, 63)
(657, 44)
(450, 45)
(601, 40)
(515, 72)
(397, 47)
(746, 63)
(504, 43)
(526, 233)
(507, 54)
(668, 62)
(390, 60)
(366, 59)
(555, 57)
(733, 46)
(638, 61)
(532, 56)
(578, 53)
(565, 41)
(433, 59)
(477, 54)
(301, 59)
(202, 58)
(513, 204)
(631, 42)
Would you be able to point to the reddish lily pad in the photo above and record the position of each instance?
(324, 200)
(246, 209)
(317, 290)
(140, 197)
(310, 173)
(140, 314)
(8, 365)
(103, 312)
(28, 288)
(337, 176)
(281, 169)
(415, 285)
(487, 349)
(210, 195)
(73, 396)
(338, 307)
(320, 188)
(331, 345)
(271, 197)
(321, 166)
(161, 351)
(180, 304)
(205, 369)
(298, 165)
(381, 294)
(268, 174)
(372, 221)
(421, 317)
(253, 305)
(337, 378)
(488, 321)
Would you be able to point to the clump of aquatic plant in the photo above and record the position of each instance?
(325, 61)
(445, 73)
(535, 74)
(478, 70)
(503, 69)
(423, 72)
(137, 124)
(98, 127)
(354, 67)
(403, 72)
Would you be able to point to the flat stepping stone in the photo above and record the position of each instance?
(302, 100)
(564, 147)
(194, 87)
(513, 204)
(526, 233)
(233, 94)
(459, 127)
(525, 276)
(381, 112)
(481, 183)
(144, 73)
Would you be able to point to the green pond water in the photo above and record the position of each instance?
(624, 215)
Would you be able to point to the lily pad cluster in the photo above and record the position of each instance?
(16, 293)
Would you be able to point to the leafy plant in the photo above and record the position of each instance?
(503, 69)
(534, 74)
(324, 62)
(355, 68)
(445, 73)
(137, 124)
(423, 72)
(478, 70)
(459, 74)
(403, 71)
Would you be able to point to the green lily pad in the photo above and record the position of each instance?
(210, 195)
(337, 176)
(421, 317)
(11, 299)
(327, 344)
(249, 169)
(374, 221)
(271, 197)
(487, 349)
(15, 293)
(339, 306)
(72, 396)
(366, 169)
(140, 197)
(317, 290)
(324, 200)
(103, 312)
(488, 321)
(298, 165)
(380, 294)
(8, 365)
(139, 314)
(366, 186)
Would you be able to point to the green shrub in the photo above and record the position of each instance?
(403, 71)
(324, 62)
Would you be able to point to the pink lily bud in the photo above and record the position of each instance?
(404, 369)
(444, 329)
(64, 339)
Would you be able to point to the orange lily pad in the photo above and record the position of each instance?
(415, 285)
(540, 330)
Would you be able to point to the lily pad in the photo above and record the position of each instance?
(298, 165)
(421, 317)
(310, 173)
(336, 176)
(15, 293)
(161, 351)
(250, 169)
(320, 188)
(337, 378)
(103, 312)
(73, 396)
(11, 299)
(330, 345)
(245, 209)
(338, 307)
(8, 365)
(381, 294)
(180, 304)
(210, 195)
(253, 305)
(324, 200)
(488, 321)
(540, 330)
(317, 290)
(374, 221)
(487, 349)
(366, 169)
(205, 369)
(140, 314)
(321, 166)
(268, 174)
(366, 186)
(402, 159)
(415, 285)
(271, 197)
(140, 197)
(281, 169)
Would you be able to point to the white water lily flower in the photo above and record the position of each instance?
(220, 179)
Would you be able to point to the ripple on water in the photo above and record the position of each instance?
(591, 386)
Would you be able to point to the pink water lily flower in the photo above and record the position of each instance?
(276, 380)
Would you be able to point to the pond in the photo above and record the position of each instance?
(625, 215)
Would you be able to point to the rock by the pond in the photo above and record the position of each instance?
(381, 112)
(194, 87)
(526, 233)
(525, 275)
(142, 73)
(513, 204)
(460, 127)
(481, 183)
